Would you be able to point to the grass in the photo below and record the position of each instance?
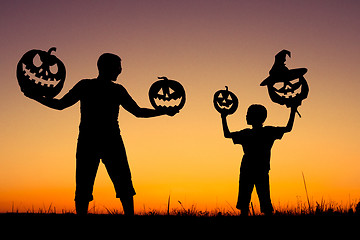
(317, 208)
(321, 219)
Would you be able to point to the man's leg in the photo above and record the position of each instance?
(123, 186)
(128, 205)
(115, 161)
(86, 167)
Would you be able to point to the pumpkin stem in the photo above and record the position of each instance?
(52, 49)
(226, 87)
(164, 78)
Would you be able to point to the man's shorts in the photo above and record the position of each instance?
(110, 149)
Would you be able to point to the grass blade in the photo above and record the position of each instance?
(168, 206)
(307, 196)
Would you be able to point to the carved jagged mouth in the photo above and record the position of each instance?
(224, 107)
(41, 81)
(168, 103)
(290, 94)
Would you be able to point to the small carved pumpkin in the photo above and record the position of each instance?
(167, 95)
(40, 73)
(225, 101)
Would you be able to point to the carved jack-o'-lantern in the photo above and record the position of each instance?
(40, 73)
(167, 95)
(225, 101)
(286, 87)
(289, 92)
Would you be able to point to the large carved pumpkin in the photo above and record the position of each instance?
(286, 87)
(40, 73)
(167, 95)
(288, 92)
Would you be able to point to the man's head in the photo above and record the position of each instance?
(109, 66)
(256, 115)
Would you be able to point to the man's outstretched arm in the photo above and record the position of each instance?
(67, 100)
(132, 107)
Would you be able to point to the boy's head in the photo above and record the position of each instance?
(109, 66)
(256, 115)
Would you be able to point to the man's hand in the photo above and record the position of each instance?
(172, 112)
(31, 96)
(166, 111)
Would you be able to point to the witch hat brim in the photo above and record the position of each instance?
(283, 75)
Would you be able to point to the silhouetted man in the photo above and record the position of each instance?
(99, 133)
(255, 165)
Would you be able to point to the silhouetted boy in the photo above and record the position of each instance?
(255, 165)
(99, 133)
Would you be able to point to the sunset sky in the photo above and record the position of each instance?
(205, 45)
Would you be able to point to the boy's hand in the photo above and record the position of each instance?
(294, 108)
(224, 115)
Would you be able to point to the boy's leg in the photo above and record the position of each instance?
(246, 187)
(81, 207)
(263, 190)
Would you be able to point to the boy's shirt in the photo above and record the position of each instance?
(257, 145)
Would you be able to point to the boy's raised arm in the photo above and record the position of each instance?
(290, 123)
(225, 126)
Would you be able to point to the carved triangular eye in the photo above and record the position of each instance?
(279, 85)
(229, 98)
(53, 69)
(161, 92)
(220, 95)
(171, 91)
(294, 81)
(37, 61)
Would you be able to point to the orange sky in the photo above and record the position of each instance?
(205, 45)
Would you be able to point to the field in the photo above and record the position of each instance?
(173, 226)
(320, 219)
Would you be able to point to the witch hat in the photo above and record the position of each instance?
(280, 72)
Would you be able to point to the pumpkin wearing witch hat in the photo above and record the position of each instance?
(286, 86)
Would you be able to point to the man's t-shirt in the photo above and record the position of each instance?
(99, 104)
(257, 145)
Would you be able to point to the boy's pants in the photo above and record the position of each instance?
(247, 182)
